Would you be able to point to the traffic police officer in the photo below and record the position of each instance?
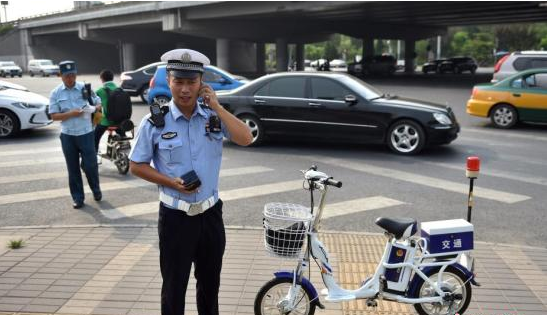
(69, 103)
(187, 137)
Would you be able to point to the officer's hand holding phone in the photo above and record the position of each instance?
(209, 96)
(183, 188)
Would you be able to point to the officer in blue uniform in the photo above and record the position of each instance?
(70, 103)
(187, 136)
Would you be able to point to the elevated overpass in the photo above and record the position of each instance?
(126, 35)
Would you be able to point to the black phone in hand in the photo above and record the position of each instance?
(191, 180)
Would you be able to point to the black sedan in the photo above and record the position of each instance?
(338, 107)
(458, 65)
(136, 83)
(432, 66)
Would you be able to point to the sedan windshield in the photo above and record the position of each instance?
(367, 91)
(7, 63)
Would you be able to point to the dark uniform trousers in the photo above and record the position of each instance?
(73, 148)
(185, 240)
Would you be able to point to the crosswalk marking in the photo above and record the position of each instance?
(504, 134)
(358, 205)
(437, 183)
(497, 173)
(64, 192)
(32, 162)
(227, 195)
(31, 151)
(244, 170)
(30, 177)
(132, 183)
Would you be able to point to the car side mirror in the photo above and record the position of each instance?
(350, 99)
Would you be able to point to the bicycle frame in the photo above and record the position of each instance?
(374, 287)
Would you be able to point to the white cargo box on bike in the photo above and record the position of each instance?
(448, 236)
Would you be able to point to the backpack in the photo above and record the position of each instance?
(119, 107)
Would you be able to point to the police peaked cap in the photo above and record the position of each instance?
(185, 63)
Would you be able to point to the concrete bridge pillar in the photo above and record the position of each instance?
(26, 48)
(410, 55)
(236, 56)
(128, 54)
(368, 47)
(223, 53)
(260, 58)
(299, 57)
(281, 54)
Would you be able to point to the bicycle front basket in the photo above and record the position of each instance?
(285, 228)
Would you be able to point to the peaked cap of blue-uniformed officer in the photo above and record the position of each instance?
(67, 67)
(185, 63)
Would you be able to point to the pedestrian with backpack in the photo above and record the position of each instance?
(116, 106)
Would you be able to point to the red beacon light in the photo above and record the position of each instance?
(473, 167)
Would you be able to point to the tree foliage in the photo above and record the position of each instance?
(479, 42)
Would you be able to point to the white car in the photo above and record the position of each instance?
(9, 68)
(338, 65)
(43, 67)
(21, 109)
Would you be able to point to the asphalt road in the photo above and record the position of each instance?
(510, 191)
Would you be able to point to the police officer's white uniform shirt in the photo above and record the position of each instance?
(180, 146)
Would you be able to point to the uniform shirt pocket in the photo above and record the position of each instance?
(64, 104)
(171, 151)
(215, 142)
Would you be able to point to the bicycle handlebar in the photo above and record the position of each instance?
(332, 182)
(321, 178)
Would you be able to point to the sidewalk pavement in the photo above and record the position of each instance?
(114, 270)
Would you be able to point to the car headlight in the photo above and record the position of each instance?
(442, 118)
(24, 105)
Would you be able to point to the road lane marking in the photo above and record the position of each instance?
(227, 195)
(126, 184)
(504, 134)
(359, 205)
(437, 183)
(497, 173)
(30, 151)
(32, 177)
(32, 162)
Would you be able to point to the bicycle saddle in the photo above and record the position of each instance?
(399, 227)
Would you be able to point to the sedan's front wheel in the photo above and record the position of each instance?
(9, 124)
(406, 137)
(255, 126)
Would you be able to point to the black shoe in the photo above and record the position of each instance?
(77, 205)
(98, 196)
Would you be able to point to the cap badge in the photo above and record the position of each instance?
(68, 67)
(186, 57)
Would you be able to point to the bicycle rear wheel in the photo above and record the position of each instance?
(452, 281)
(274, 291)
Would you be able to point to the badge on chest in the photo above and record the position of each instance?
(169, 135)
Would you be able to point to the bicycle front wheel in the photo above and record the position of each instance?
(273, 292)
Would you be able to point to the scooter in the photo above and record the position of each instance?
(118, 146)
(433, 271)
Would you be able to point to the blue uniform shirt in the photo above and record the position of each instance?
(63, 99)
(180, 146)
